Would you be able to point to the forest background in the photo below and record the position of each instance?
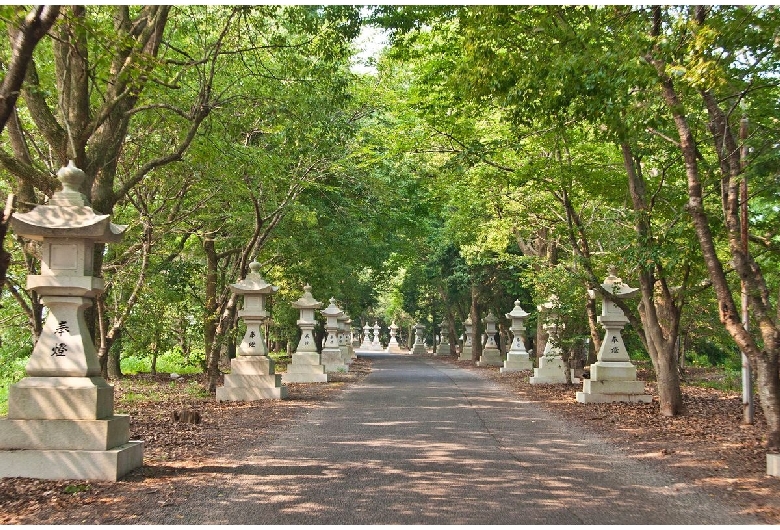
(491, 154)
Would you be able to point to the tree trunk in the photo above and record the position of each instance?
(210, 306)
(36, 24)
(476, 342)
(5, 256)
(155, 350)
(595, 333)
(658, 311)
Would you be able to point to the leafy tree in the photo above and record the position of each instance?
(712, 59)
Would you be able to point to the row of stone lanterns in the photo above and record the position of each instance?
(61, 423)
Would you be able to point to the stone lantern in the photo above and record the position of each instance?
(252, 376)
(419, 340)
(61, 423)
(332, 358)
(466, 353)
(344, 325)
(306, 366)
(551, 366)
(444, 344)
(375, 344)
(613, 376)
(517, 358)
(491, 354)
(366, 344)
(393, 346)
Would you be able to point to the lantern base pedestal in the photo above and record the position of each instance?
(466, 354)
(612, 382)
(517, 362)
(551, 371)
(333, 361)
(442, 350)
(346, 355)
(238, 393)
(60, 464)
(419, 349)
(251, 379)
(61, 398)
(394, 347)
(305, 368)
(583, 397)
(490, 357)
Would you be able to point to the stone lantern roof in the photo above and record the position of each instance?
(67, 215)
(253, 283)
(615, 285)
(306, 301)
(490, 318)
(517, 311)
(332, 310)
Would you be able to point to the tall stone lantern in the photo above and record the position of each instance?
(393, 346)
(491, 354)
(444, 344)
(306, 365)
(551, 366)
(419, 340)
(332, 358)
(613, 376)
(366, 344)
(61, 422)
(517, 358)
(466, 353)
(252, 376)
(376, 345)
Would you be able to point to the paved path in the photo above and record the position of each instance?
(419, 441)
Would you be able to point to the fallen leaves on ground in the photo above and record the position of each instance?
(174, 453)
(707, 446)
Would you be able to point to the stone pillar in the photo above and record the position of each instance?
(61, 423)
(466, 351)
(613, 376)
(348, 339)
(517, 358)
(491, 355)
(376, 345)
(344, 325)
(551, 369)
(252, 374)
(306, 365)
(393, 346)
(332, 357)
(444, 345)
(366, 344)
(419, 340)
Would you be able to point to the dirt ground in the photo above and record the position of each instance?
(706, 447)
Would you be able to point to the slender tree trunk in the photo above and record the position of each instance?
(211, 306)
(595, 333)
(476, 347)
(5, 256)
(660, 334)
(155, 347)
